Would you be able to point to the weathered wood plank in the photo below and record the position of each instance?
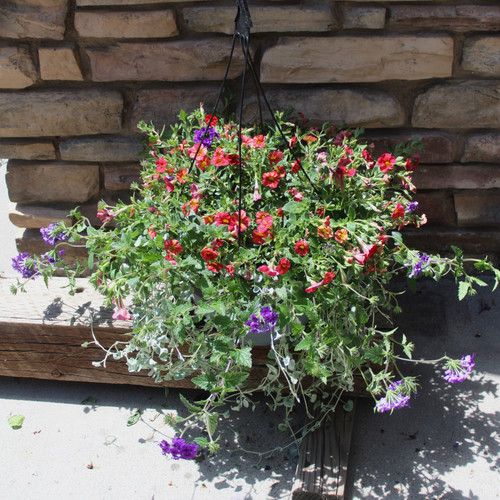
(322, 467)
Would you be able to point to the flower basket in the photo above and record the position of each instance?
(289, 233)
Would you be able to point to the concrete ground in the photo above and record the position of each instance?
(75, 442)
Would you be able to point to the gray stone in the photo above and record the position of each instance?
(107, 148)
(482, 56)
(16, 68)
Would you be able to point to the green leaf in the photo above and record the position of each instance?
(234, 378)
(211, 423)
(304, 344)
(191, 407)
(201, 441)
(89, 401)
(134, 418)
(207, 382)
(16, 421)
(463, 289)
(294, 207)
(243, 356)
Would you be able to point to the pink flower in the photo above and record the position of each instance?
(398, 212)
(326, 279)
(122, 312)
(302, 248)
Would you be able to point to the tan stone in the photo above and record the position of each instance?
(357, 59)
(59, 64)
(364, 18)
(51, 182)
(108, 148)
(446, 17)
(121, 176)
(437, 206)
(482, 148)
(162, 106)
(60, 113)
(31, 216)
(33, 19)
(165, 61)
(16, 68)
(27, 150)
(457, 177)
(437, 148)
(463, 105)
(439, 240)
(271, 18)
(126, 24)
(92, 3)
(482, 56)
(477, 209)
(357, 108)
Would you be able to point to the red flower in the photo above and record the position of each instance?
(295, 166)
(161, 164)
(152, 233)
(398, 212)
(219, 158)
(310, 138)
(411, 163)
(275, 157)
(225, 219)
(259, 141)
(212, 119)
(173, 246)
(192, 204)
(245, 220)
(215, 267)
(280, 213)
(259, 237)
(209, 254)
(341, 235)
(271, 179)
(264, 220)
(203, 162)
(369, 161)
(269, 270)
(325, 232)
(341, 136)
(208, 219)
(297, 195)
(169, 185)
(230, 269)
(292, 141)
(302, 247)
(386, 162)
(326, 279)
(181, 175)
(283, 266)
(281, 170)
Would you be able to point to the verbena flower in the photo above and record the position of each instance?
(51, 235)
(21, 265)
(419, 266)
(456, 374)
(211, 134)
(179, 449)
(267, 321)
(412, 207)
(393, 399)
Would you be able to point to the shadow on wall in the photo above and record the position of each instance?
(7, 229)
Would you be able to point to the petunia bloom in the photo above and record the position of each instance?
(302, 248)
(386, 162)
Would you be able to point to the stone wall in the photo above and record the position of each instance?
(77, 75)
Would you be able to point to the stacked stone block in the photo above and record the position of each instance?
(76, 76)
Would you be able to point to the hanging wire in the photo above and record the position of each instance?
(243, 23)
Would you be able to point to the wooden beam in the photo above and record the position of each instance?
(322, 467)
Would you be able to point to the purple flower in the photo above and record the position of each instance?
(394, 398)
(52, 260)
(51, 235)
(267, 321)
(417, 268)
(412, 207)
(179, 449)
(207, 135)
(454, 375)
(27, 269)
